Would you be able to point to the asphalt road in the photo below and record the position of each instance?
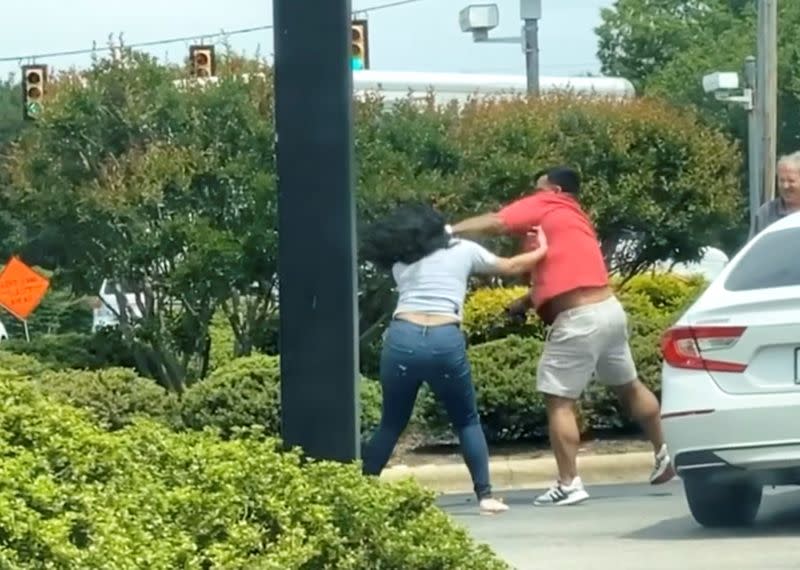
(633, 527)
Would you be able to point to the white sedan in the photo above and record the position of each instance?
(731, 381)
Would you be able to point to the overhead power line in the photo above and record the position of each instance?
(182, 39)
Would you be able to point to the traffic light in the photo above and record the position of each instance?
(202, 60)
(34, 82)
(360, 45)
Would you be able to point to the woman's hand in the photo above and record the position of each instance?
(536, 239)
(534, 247)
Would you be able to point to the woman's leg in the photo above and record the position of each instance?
(400, 383)
(452, 385)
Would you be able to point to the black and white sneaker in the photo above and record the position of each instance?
(563, 495)
(663, 471)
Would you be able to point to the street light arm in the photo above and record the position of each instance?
(501, 40)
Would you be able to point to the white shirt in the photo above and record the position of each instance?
(437, 284)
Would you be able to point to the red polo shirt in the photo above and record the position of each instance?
(574, 259)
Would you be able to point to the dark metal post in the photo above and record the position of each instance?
(317, 261)
(531, 12)
(530, 31)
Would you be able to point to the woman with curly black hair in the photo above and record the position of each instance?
(424, 342)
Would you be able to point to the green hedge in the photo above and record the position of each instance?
(244, 392)
(75, 350)
(21, 364)
(73, 495)
(114, 397)
(485, 317)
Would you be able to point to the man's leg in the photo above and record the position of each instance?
(616, 369)
(565, 367)
(565, 438)
(642, 406)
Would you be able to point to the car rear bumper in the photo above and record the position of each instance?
(710, 430)
(749, 439)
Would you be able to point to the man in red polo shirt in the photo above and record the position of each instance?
(588, 328)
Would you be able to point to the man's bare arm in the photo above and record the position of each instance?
(490, 224)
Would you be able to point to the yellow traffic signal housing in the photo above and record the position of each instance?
(203, 63)
(360, 44)
(34, 85)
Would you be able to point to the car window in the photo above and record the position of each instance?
(762, 267)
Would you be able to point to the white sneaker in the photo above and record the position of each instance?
(663, 470)
(491, 506)
(563, 495)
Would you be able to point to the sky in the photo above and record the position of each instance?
(421, 36)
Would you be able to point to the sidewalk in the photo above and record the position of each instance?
(448, 474)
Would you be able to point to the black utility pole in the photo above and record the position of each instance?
(317, 261)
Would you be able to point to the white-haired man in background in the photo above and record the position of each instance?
(788, 200)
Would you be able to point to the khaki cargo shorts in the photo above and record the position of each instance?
(587, 341)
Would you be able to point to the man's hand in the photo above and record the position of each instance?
(517, 311)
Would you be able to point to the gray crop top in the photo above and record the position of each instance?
(438, 283)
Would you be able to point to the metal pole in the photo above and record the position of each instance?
(530, 12)
(531, 39)
(316, 228)
(767, 89)
(753, 142)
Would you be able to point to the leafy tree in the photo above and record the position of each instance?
(166, 190)
(666, 46)
(11, 124)
(640, 37)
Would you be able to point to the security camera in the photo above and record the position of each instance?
(720, 82)
(724, 85)
(479, 19)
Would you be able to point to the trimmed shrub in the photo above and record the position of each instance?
(505, 380)
(504, 373)
(371, 401)
(485, 318)
(665, 291)
(222, 341)
(114, 397)
(76, 350)
(246, 392)
(647, 297)
(242, 393)
(21, 364)
(75, 496)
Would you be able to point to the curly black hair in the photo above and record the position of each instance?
(407, 234)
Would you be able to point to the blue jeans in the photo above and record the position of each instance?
(413, 354)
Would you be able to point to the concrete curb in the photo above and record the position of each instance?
(509, 473)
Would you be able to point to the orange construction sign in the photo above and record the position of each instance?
(21, 288)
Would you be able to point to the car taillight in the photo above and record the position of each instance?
(687, 347)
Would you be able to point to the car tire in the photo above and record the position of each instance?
(726, 503)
